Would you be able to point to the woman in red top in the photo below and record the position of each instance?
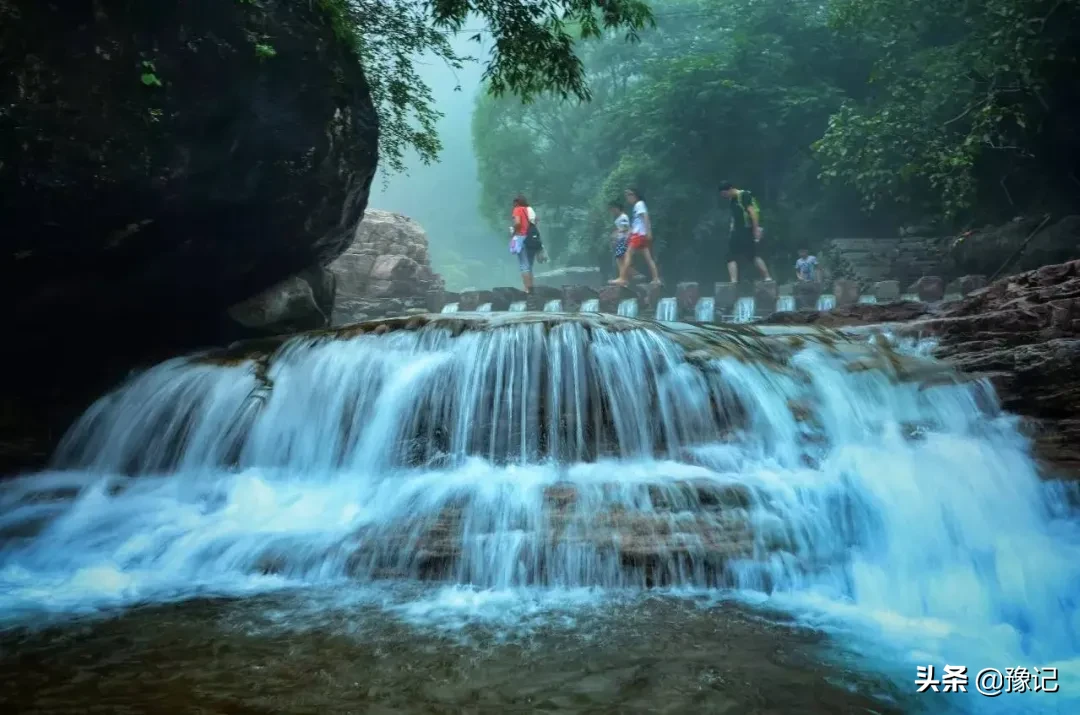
(518, 231)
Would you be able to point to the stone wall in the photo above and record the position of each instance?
(868, 260)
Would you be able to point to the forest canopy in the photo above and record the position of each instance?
(841, 116)
(533, 54)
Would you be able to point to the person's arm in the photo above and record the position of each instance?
(751, 211)
(798, 273)
(648, 225)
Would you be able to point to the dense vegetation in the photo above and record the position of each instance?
(843, 116)
(533, 53)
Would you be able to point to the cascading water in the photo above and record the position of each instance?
(911, 297)
(744, 310)
(705, 310)
(517, 306)
(592, 305)
(483, 308)
(868, 299)
(450, 308)
(785, 303)
(667, 310)
(826, 301)
(553, 306)
(628, 308)
(871, 494)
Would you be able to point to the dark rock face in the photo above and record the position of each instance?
(160, 163)
(1024, 333)
(156, 165)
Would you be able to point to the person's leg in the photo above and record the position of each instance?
(647, 252)
(762, 268)
(525, 264)
(627, 260)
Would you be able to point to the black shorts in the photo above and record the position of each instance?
(742, 248)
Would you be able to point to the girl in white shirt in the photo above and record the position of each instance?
(640, 239)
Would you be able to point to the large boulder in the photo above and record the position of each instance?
(164, 161)
(161, 163)
(385, 268)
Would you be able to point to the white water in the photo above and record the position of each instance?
(744, 310)
(450, 308)
(667, 310)
(553, 306)
(909, 521)
(826, 301)
(705, 310)
(517, 306)
(913, 297)
(592, 305)
(483, 308)
(628, 308)
(868, 299)
(785, 303)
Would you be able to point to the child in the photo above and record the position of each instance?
(620, 237)
(806, 267)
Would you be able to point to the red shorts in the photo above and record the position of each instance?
(638, 241)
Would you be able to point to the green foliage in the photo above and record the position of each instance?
(959, 88)
(735, 90)
(904, 108)
(264, 51)
(149, 77)
(533, 53)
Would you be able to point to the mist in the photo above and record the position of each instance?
(444, 196)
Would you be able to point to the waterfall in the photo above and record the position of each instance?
(628, 308)
(870, 493)
(744, 310)
(912, 297)
(483, 308)
(826, 301)
(705, 310)
(592, 305)
(868, 299)
(667, 310)
(785, 303)
(553, 306)
(517, 306)
(450, 308)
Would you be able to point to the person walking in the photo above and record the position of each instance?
(745, 231)
(640, 239)
(521, 229)
(620, 236)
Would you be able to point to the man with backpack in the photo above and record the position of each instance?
(746, 231)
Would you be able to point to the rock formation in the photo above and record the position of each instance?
(162, 162)
(1023, 332)
(385, 271)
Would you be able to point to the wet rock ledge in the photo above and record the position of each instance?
(1022, 331)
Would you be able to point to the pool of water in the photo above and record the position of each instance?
(384, 650)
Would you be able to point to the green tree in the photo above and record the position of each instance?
(734, 90)
(965, 96)
(533, 53)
